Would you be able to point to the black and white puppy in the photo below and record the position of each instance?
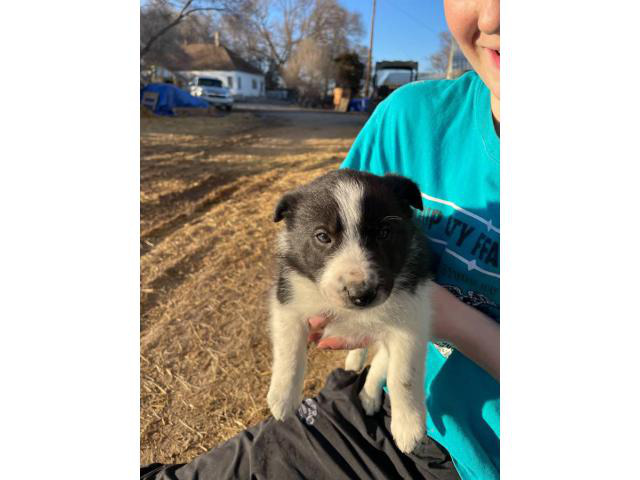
(351, 251)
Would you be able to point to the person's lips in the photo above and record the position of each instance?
(495, 57)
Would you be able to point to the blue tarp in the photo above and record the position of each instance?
(170, 96)
(358, 105)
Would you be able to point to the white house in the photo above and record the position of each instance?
(216, 61)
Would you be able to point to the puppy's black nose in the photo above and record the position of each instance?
(362, 298)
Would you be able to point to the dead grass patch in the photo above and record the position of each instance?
(207, 196)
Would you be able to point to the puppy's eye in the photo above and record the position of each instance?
(383, 233)
(322, 237)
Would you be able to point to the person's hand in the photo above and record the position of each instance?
(316, 329)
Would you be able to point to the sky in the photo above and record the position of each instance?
(403, 30)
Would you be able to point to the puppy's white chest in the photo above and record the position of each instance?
(356, 327)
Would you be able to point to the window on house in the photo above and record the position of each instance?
(254, 84)
(239, 83)
(230, 82)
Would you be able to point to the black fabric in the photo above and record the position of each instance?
(329, 438)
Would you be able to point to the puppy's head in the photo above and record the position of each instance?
(350, 232)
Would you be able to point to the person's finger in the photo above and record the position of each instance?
(332, 343)
(336, 343)
(314, 337)
(317, 322)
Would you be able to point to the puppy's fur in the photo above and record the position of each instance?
(350, 251)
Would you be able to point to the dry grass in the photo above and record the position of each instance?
(208, 189)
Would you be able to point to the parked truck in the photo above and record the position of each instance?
(388, 76)
(211, 90)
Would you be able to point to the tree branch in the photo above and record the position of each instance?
(184, 13)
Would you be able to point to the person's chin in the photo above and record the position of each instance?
(494, 87)
(492, 80)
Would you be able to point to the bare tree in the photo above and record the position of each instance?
(271, 32)
(172, 15)
(153, 17)
(269, 29)
(302, 69)
(198, 28)
(449, 60)
(440, 59)
(335, 30)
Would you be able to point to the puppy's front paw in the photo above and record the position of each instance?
(283, 402)
(370, 403)
(355, 359)
(407, 430)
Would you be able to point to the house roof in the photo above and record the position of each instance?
(208, 56)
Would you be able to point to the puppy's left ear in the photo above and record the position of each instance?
(285, 206)
(405, 189)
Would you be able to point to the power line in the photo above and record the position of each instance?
(412, 17)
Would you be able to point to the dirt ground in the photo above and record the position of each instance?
(207, 193)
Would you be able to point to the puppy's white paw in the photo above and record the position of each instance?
(355, 359)
(370, 403)
(407, 430)
(283, 403)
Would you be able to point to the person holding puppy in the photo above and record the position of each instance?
(444, 135)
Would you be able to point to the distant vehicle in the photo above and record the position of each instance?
(389, 76)
(211, 90)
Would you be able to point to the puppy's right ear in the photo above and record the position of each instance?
(405, 189)
(285, 206)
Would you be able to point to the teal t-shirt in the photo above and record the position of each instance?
(440, 134)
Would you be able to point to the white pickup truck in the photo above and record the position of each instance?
(211, 90)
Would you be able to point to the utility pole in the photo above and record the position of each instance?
(367, 77)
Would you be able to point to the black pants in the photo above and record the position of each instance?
(330, 438)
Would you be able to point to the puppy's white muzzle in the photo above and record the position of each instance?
(350, 280)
